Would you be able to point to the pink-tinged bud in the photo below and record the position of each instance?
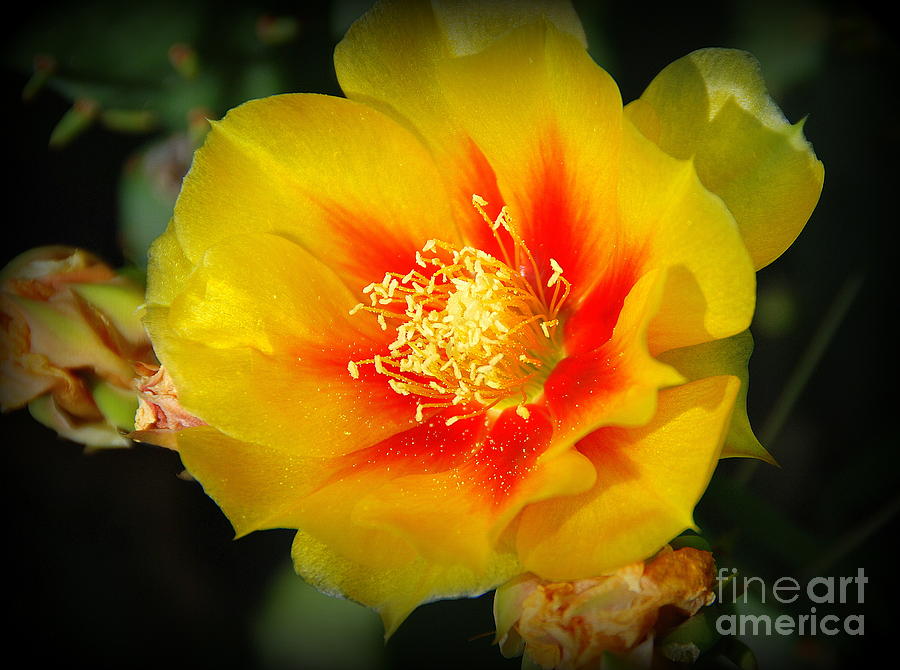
(159, 413)
(568, 625)
(70, 334)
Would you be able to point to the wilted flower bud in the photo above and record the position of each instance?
(159, 413)
(70, 334)
(569, 625)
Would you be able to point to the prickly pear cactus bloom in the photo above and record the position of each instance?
(570, 625)
(477, 318)
(70, 334)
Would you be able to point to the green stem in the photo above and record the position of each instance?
(804, 369)
(852, 539)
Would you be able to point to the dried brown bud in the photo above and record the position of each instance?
(159, 412)
(70, 334)
(569, 625)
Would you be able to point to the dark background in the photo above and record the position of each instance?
(112, 560)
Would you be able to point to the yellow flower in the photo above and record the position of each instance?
(69, 335)
(477, 319)
(570, 625)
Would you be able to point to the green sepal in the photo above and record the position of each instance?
(120, 303)
(690, 540)
(117, 406)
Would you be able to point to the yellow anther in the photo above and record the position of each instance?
(557, 272)
(398, 387)
(502, 220)
(353, 369)
(471, 330)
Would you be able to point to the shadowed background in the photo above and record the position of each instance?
(111, 559)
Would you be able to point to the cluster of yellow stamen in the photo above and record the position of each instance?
(472, 329)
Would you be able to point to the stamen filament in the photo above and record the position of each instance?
(473, 330)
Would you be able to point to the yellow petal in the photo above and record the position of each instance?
(471, 25)
(399, 42)
(258, 488)
(167, 268)
(728, 356)
(332, 175)
(712, 105)
(258, 342)
(378, 510)
(265, 292)
(548, 121)
(648, 481)
(396, 591)
(711, 285)
(457, 515)
(617, 383)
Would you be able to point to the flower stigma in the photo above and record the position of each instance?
(473, 330)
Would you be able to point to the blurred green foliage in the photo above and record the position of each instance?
(299, 627)
(161, 68)
(165, 59)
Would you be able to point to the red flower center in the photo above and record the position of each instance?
(472, 329)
